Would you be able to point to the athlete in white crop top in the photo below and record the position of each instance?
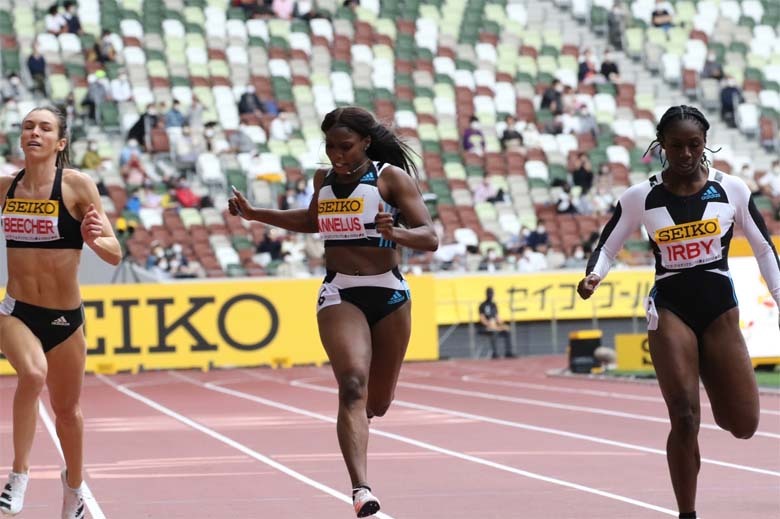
(689, 211)
(363, 309)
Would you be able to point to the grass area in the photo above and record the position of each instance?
(765, 378)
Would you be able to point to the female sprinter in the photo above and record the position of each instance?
(48, 212)
(363, 306)
(689, 211)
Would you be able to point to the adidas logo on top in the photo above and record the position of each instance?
(710, 194)
(60, 321)
(397, 297)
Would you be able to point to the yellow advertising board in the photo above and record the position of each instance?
(633, 352)
(200, 325)
(542, 296)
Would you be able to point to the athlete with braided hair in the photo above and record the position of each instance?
(689, 210)
(363, 306)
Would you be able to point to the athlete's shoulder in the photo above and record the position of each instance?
(76, 178)
(731, 183)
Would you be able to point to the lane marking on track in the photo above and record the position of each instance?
(545, 430)
(432, 447)
(557, 389)
(554, 405)
(89, 497)
(231, 443)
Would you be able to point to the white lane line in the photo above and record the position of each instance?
(557, 389)
(546, 430)
(89, 498)
(565, 407)
(435, 448)
(232, 443)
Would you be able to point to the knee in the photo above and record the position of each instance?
(684, 417)
(66, 413)
(352, 388)
(32, 380)
(745, 428)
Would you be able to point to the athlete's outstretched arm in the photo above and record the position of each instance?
(625, 220)
(296, 220)
(749, 218)
(419, 233)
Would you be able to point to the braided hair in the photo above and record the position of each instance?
(385, 145)
(680, 113)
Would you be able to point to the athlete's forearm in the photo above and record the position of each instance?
(418, 238)
(108, 249)
(296, 220)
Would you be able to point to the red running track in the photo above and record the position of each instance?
(464, 439)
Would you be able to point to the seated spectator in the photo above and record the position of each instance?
(214, 139)
(538, 236)
(555, 258)
(484, 191)
(770, 182)
(747, 174)
(511, 138)
(617, 19)
(492, 325)
(551, 97)
(174, 118)
(134, 172)
(130, 147)
(36, 64)
(281, 127)
(270, 245)
(588, 73)
(186, 150)
(97, 94)
(531, 260)
(121, 90)
(104, 48)
(141, 131)
(72, 18)
(586, 122)
(13, 89)
(91, 159)
(712, 67)
(565, 203)
(662, 15)
(582, 175)
(473, 138)
(730, 98)
(149, 198)
(54, 22)
(240, 142)
(249, 103)
(184, 195)
(304, 190)
(195, 117)
(609, 69)
(576, 259)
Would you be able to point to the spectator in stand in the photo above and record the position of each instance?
(283, 8)
(104, 48)
(13, 89)
(552, 97)
(54, 22)
(484, 191)
(770, 182)
(282, 127)
(577, 259)
(214, 139)
(36, 64)
(473, 138)
(134, 172)
(588, 73)
(250, 104)
(582, 175)
(240, 142)
(712, 67)
(747, 174)
(186, 150)
(195, 117)
(183, 194)
(617, 19)
(730, 98)
(586, 123)
(531, 260)
(609, 69)
(130, 147)
(72, 18)
(174, 118)
(121, 90)
(511, 138)
(538, 236)
(662, 15)
(555, 258)
(270, 245)
(565, 203)
(97, 94)
(91, 159)
(141, 131)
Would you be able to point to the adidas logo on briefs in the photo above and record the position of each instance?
(710, 194)
(397, 297)
(60, 321)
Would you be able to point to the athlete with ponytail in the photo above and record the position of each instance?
(363, 306)
(48, 212)
(689, 210)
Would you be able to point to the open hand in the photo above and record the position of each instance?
(384, 223)
(238, 204)
(587, 285)
(91, 225)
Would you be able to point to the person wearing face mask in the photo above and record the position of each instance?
(121, 90)
(14, 89)
(72, 18)
(365, 207)
(473, 138)
(141, 131)
(690, 211)
(538, 236)
(36, 65)
(730, 97)
(91, 159)
(577, 259)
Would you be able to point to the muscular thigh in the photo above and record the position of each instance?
(726, 369)
(20, 346)
(390, 338)
(66, 371)
(675, 353)
(346, 338)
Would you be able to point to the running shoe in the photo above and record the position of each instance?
(365, 502)
(12, 496)
(72, 500)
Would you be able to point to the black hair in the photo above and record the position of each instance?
(385, 145)
(63, 156)
(680, 113)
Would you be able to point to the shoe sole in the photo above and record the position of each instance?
(369, 508)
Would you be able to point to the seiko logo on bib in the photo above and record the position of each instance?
(689, 244)
(31, 220)
(341, 218)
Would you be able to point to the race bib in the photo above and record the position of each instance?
(689, 244)
(31, 220)
(341, 219)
